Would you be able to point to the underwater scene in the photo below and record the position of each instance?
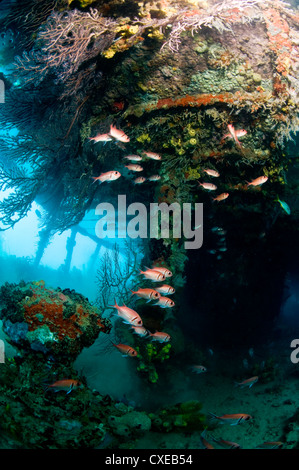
(149, 225)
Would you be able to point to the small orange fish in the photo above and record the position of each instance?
(140, 331)
(66, 385)
(203, 441)
(234, 134)
(198, 369)
(208, 186)
(108, 176)
(247, 383)
(126, 350)
(153, 275)
(127, 314)
(165, 271)
(139, 180)
(154, 178)
(165, 289)
(101, 138)
(211, 172)
(133, 158)
(165, 302)
(270, 445)
(258, 181)
(221, 197)
(149, 294)
(152, 155)
(232, 419)
(134, 167)
(160, 336)
(118, 134)
(226, 444)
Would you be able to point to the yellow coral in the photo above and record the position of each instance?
(175, 142)
(133, 29)
(83, 3)
(156, 34)
(142, 86)
(192, 132)
(192, 174)
(109, 53)
(143, 138)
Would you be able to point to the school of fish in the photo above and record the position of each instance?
(117, 135)
(158, 274)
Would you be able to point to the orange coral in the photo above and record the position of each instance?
(197, 100)
(239, 98)
(50, 308)
(51, 315)
(234, 15)
(278, 87)
(280, 43)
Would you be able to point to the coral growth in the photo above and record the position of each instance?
(52, 321)
(280, 43)
(133, 423)
(185, 416)
(65, 41)
(150, 355)
(34, 417)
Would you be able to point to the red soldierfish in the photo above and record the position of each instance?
(234, 134)
(128, 315)
(232, 419)
(154, 178)
(213, 173)
(149, 294)
(153, 275)
(126, 350)
(221, 197)
(203, 441)
(118, 134)
(165, 289)
(140, 331)
(258, 181)
(139, 180)
(101, 138)
(208, 186)
(165, 302)
(134, 167)
(133, 158)
(66, 385)
(248, 382)
(162, 270)
(226, 444)
(152, 155)
(270, 445)
(160, 336)
(108, 176)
